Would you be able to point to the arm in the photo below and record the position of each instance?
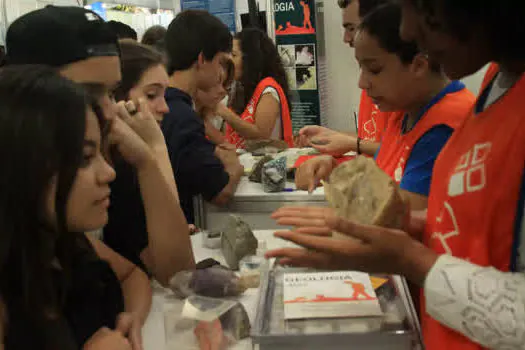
(169, 250)
(266, 114)
(235, 171)
(135, 283)
(454, 297)
(204, 168)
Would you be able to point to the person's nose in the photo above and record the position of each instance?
(106, 173)
(364, 82)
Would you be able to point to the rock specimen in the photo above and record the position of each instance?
(359, 191)
(236, 322)
(263, 147)
(237, 241)
(214, 282)
(274, 175)
(256, 173)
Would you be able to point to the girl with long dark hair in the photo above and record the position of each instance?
(60, 289)
(260, 105)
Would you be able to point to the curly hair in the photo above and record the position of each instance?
(260, 60)
(500, 22)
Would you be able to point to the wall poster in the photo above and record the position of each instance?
(295, 36)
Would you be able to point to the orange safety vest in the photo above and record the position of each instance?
(450, 109)
(371, 122)
(248, 115)
(474, 196)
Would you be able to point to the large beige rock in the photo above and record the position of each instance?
(360, 191)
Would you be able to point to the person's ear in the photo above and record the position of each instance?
(420, 65)
(200, 60)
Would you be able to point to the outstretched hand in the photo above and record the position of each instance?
(325, 140)
(373, 249)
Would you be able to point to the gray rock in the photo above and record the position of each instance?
(237, 241)
(256, 173)
(236, 322)
(274, 175)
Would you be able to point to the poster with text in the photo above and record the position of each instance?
(295, 31)
(222, 9)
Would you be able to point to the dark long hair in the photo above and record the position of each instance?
(42, 127)
(135, 59)
(260, 60)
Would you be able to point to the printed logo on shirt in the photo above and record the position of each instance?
(250, 108)
(447, 219)
(398, 173)
(370, 126)
(470, 173)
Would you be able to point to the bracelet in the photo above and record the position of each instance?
(358, 145)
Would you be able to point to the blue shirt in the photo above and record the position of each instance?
(196, 168)
(420, 164)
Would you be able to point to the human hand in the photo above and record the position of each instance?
(306, 220)
(106, 338)
(327, 141)
(131, 327)
(311, 220)
(143, 122)
(310, 173)
(373, 250)
(227, 146)
(228, 157)
(136, 137)
(223, 111)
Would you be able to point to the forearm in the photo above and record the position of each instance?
(368, 147)
(169, 241)
(456, 296)
(137, 293)
(247, 130)
(164, 164)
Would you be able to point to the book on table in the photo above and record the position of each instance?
(329, 295)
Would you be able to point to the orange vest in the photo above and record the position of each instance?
(474, 196)
(371, 122)
(450, 109)
(248, 115)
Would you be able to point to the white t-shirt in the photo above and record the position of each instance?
(277, 130)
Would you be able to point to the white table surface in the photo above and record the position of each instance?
(247, 188)
(153, 332)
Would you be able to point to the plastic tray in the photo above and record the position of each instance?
(397, 329)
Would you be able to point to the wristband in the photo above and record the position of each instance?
(358, 145)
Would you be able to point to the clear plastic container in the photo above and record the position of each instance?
(398, 329)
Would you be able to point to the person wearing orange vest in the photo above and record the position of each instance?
(259, 108)
(404, 80)
(371, 121)
(467, 252)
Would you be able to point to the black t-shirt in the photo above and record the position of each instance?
(93, 299)
(197, 170)
(126, 231)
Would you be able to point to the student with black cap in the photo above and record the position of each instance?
(80, 44)
(122, 30)
(197, 43)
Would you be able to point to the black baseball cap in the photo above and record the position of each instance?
(59, 35)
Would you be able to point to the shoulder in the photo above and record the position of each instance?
(430, 144)
(460, 102)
